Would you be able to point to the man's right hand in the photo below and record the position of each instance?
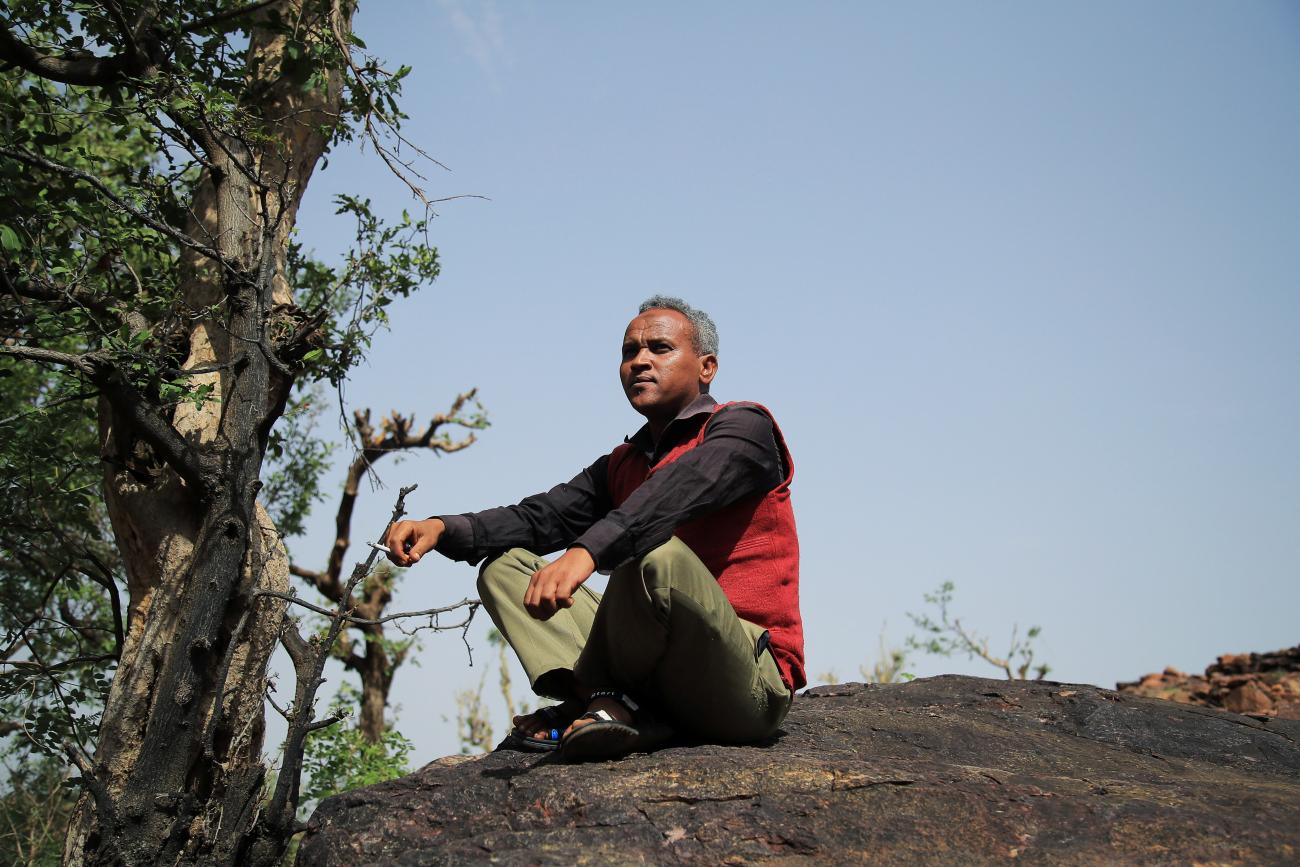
(408, 541)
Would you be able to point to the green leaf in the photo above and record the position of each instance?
(9, 239)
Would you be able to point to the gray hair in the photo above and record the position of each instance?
(704, 336)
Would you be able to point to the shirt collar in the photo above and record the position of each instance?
(643, 441)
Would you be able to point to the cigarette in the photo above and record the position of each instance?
(378, 547)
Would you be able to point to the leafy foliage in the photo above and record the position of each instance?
(296, 460)
(340, 758)
(59, 568)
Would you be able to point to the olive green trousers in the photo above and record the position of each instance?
(663, 632)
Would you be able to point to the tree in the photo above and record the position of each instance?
(379, 657)
(946, 636)
(153, 160)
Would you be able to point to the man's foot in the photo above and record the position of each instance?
(611, 706)
(613, 726)
(541, 729)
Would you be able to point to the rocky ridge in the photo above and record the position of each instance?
(1267, 684)
(947, 769)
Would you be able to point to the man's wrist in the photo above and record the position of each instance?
(456, 541)
(585, 557)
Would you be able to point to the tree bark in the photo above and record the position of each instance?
(180, 744)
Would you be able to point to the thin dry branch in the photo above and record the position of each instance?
(395, 435)
(432, 613)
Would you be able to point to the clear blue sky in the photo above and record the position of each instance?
(1020, 281)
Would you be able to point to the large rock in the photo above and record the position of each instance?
(948, 769)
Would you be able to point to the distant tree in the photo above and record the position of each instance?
(34, 808)
(374, 656)
(156, 317)
(947, 636)
(889, 665)
(473, 723)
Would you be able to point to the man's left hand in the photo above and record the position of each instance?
(552, 587)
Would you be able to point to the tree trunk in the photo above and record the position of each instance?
(180, 744)
(376, 680)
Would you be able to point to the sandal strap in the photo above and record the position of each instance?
(599, 715)
(620, 697)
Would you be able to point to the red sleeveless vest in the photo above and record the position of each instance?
(751, 547)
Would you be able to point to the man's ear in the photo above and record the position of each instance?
(708, 368)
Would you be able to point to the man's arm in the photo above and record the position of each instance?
(543, 522)
(738, 457)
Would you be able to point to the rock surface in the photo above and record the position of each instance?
(947, 769)
(1257, 683)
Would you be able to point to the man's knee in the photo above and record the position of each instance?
(504, 572)
(648, 581)
(665, 559)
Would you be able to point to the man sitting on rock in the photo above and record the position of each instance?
(699, 626)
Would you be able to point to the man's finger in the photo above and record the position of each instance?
(421, 546)
(394, 541)
(530, 595)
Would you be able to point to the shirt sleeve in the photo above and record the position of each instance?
(738, 457)
(541, 523)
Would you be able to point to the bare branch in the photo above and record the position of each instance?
(326, 722)
(49, 356)
(365, 621)
(309, 665)
(395, 436)
(282, 711)
(83, 69)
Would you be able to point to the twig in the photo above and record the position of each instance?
(362, 621)
(45, 407)
(309, 664)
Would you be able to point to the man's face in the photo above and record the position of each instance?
(661, 371)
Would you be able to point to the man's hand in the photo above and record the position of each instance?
(553, 585)
(408, 541)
